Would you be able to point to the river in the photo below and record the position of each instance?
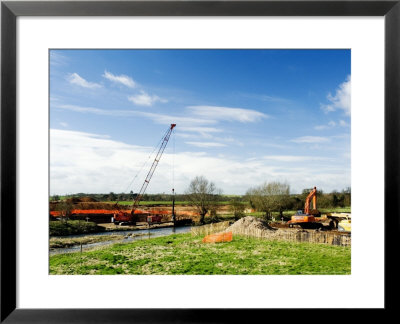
(139, 235)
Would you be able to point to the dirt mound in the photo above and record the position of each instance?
(73, 200)
(250, 223)
(76, 200)
(87, 199)
(96, 205)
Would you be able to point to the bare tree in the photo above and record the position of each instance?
(204, 195)
(269, 197)
(65, 209)
(237, 208)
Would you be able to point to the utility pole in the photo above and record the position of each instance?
(173, 206)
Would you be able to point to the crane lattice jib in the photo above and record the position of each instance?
(153, 168)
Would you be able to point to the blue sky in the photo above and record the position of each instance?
(243, 117)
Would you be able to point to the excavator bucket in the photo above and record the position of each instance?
(218, 237)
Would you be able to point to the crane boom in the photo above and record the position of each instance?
(153, 168)
(120, 216)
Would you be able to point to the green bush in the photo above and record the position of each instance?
(71, 227)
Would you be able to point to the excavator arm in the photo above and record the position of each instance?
(312, 195)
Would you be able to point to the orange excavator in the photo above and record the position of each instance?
(307, 219)
(123, 217)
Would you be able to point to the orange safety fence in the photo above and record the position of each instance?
(218, 237)
(56, 213)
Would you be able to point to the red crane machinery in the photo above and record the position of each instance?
(307, 219)
(131, 217)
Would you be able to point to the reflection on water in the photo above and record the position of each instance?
(129, 236)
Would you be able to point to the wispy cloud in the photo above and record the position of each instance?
(111, 165)
(264, 97)
(341, 100)
(144, 99)
(310, 139)
(80, 109)
(57, 59)
(157, 118)
(199, 129)
(75, 78)
(206, 144)
(121, 79)
(195, 131)
(179, 120)
(292, 158)
(321, 127)
(227, 113)
(332, 124)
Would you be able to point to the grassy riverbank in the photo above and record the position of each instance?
(72, 227)
(184, 254)
(65, 242)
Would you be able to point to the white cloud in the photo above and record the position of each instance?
(80, 109)
(144, 99)
(227, 113)
(331, 124)
(341, 100)
(101, 165)
(321, 127)
(63, 124)
(310, 139)
(199, 129)
(264, 97)
(75, 78)
(178, 120)
(157, 118)
(196, 131)
(57, 59)
(206, 144)
(122, 79)
(293, 158)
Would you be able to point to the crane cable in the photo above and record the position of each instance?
(144, 164)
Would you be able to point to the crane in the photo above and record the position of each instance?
(130, 217)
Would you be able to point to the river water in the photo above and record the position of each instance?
(138, 235)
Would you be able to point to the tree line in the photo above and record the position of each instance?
(205, 196)
(268, 197)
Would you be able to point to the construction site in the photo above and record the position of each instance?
(307, 224)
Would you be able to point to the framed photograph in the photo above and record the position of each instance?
(193, 161)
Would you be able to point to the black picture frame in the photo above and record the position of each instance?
(10, 10)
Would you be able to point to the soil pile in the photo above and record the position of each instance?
(76, 200)
(87, 199)
(87, 205)
(250, 223)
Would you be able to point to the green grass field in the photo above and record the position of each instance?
(184, 254)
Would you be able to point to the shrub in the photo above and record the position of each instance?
(71, 227)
